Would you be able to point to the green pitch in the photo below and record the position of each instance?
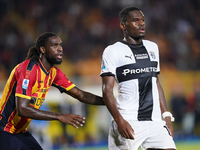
(180, 146)
(187, 145)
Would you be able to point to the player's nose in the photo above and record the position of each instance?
(60, 48)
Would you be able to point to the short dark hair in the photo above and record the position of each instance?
(124, 13)
(34, 52)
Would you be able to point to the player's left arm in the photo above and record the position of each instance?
(66, 86)
(85, 97)
(163, 106)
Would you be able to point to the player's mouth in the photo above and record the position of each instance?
(59, 56)
(142, 30)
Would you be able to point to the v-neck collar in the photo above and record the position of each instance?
(43, 68)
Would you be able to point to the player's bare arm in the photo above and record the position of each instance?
(124, 127)
(163, 106)
(85, 97)
(24, 109)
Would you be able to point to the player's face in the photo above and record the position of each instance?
(54, 50)
(135, 25)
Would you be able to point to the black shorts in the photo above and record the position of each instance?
(20, 141)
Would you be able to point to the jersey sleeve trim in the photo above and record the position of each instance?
(23, 96)
(62, 89)
(70, 87)
(107, 74)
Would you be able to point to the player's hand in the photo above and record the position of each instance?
(74, 120)
(125, 129)
(169, 125)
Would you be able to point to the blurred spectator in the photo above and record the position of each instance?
(193, 100)
(178, 105)
(39, 131)
(66, 140)
(87, 27)
(84, 25)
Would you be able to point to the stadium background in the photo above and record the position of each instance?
(86, 28)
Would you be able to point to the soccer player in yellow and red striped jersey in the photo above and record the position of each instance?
(26, 89)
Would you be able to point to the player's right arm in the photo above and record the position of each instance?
(124, 127)
(163, 107)
(24, 109)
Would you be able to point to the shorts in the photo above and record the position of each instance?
(148, 134)
(20, 141)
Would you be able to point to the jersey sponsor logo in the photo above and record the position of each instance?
(43, 90)
(141, 56)
(152, 54)
(36, 101)
(25, 84)
(136, 71)
(139, 70)
(103, 65)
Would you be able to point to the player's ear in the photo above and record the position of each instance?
(123, 26)
(42, 49)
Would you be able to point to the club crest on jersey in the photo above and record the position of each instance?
(25, 84)
(152, 54)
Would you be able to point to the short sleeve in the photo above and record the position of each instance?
(62, 82)
(157, 58)
(25, 81)
(108, 66)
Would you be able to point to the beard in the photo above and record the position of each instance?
(137, 37)
(52, 60)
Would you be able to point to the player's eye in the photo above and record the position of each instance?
(135, 20)
(55, 44)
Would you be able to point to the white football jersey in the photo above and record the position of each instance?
(135, 68)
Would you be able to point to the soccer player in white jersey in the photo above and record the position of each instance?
(139, 112)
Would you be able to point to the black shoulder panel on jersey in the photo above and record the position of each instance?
(30, 65)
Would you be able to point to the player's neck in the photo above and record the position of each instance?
(132, 41)
(46, 64)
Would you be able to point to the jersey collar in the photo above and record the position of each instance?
(133, 45)
(43, 68)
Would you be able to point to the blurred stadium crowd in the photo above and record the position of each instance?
(86, 27)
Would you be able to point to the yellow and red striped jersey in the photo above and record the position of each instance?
(32, 81)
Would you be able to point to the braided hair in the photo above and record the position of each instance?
(34, 52)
